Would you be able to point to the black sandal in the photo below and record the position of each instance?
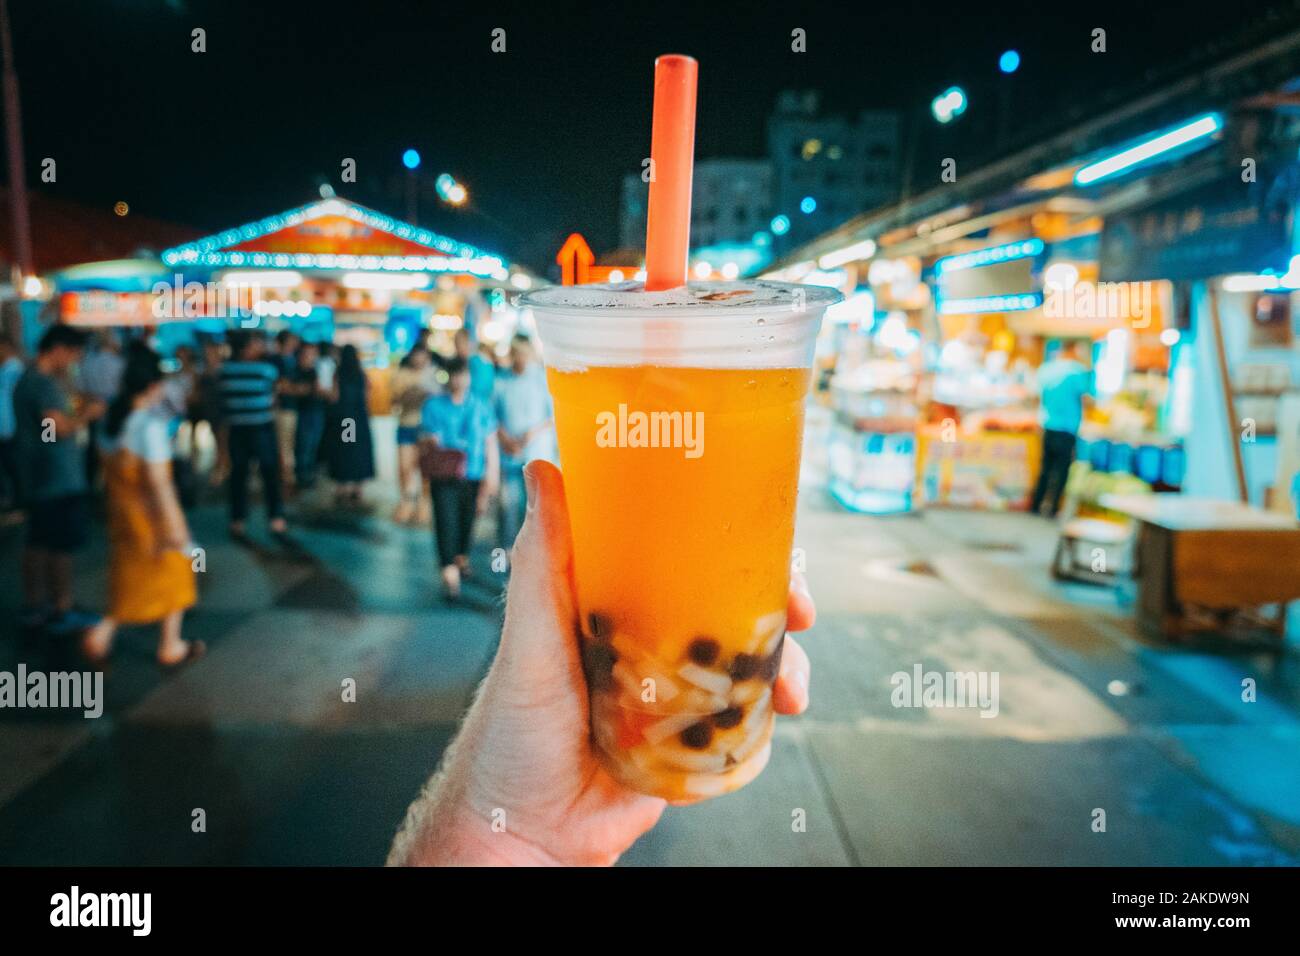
(195, 651)
(103, 663)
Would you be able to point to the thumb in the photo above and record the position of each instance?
(541, 570)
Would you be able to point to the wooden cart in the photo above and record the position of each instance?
(1208, 565)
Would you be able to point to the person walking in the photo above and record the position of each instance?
(459, 456)
(206, 407)
(1063, 382)
(247, 384)
(411, 388)
(150, 574)
(525, 427)
(177, 401)
(11, 370)
(52, 482)
(308, 397)
(483, 372)
(349, 450)
(100, 375)
(284, 357)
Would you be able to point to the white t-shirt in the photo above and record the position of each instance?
(325, 373)
(145, 435)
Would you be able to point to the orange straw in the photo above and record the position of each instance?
(672, 153)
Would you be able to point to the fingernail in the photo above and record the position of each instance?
(801, 681)
(801, 586)
(530, 487)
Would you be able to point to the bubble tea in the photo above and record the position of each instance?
(680, 421)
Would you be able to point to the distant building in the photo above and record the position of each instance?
(827, 169)
(731, 200)
(820, 171)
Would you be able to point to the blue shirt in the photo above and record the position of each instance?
(465, 426)
(520, 402)
(1063, 383)
(248, 392)
(482, 377)
(10, 372)
(46, 469)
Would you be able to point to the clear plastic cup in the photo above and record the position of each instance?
(680, 423)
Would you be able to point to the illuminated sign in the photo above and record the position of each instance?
(107, 308)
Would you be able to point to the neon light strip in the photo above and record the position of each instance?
(1189, 132)
(209, 250)
(483, 266)
(991, 256)
(991, 303)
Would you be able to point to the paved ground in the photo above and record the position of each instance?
(256, 734)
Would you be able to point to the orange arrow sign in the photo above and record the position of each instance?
(575, 258)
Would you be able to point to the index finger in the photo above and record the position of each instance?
(801, 613)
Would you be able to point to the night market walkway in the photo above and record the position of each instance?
(257, 735)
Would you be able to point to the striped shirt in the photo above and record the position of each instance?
(248, 392)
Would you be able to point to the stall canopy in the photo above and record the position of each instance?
(336, 234)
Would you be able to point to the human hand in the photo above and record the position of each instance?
(523, 756)
(511, 445)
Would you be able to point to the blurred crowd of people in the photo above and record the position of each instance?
(84, 417)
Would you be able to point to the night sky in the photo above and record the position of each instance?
(543, 133)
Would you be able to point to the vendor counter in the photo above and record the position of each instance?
(993, 470)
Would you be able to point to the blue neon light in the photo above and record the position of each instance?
(1185, 134)
(780, 225)
(1009, 62)
(411, 159)
(807, 205)
(991, 256)
(991, 303)
(213, 251)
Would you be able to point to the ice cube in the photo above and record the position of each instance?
(665, 689)
(707, 785)
(698, 701)
(767, 627)
(627, 679)
(712, 681)
(747, 692)
(661, 730)
(697, 762)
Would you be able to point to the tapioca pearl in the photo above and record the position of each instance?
(772, 663)
(745, 666)
(697, 736)
(598, 662)
(704, 651)
(600, 626)
(726, 719)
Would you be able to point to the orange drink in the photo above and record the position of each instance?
(681, 479)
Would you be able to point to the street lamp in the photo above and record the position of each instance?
(22, 229)
(450, 191)
(1008, 63)
(411, 160)
(949, 104)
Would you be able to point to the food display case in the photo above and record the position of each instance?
(872, 445)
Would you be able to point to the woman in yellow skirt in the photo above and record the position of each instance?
(151, 578)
